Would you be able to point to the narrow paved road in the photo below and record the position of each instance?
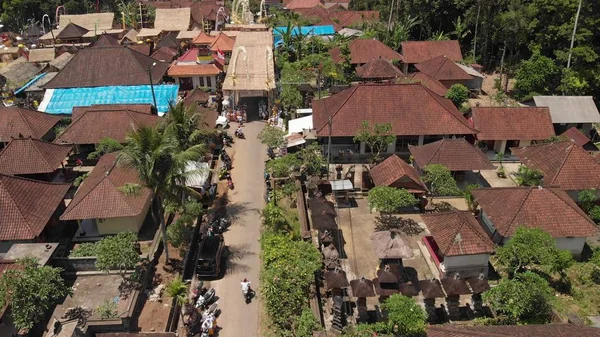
(246, 202)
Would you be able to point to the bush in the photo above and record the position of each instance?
(117, 251)
(389, 199)
(404, 313)
(86, 249)
(526, 176)
(107, 310)
(587, 199)
(440, 180)
(106, 145)
(458, 94)
(80, 179)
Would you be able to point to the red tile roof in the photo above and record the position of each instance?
(99, 196)
(206, 10)
(15, 122)
(455, 154)
(430, 82)
(94, 125)
(365, 50)
(575, 135)
(193, 70)
(534, 330)
(295, 4)
(549, 209)
(443, 69)
(420, 51)
(564, 164)
(203, 39)
(398, 173)
(458, 233)
(223, 42)
(78, 111)
(337, 16)
(26, 206)
(507, 123)
(378, 69)
(412, 109)
(164, 54)
(32, 156)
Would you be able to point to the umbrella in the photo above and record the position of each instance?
(390, 245)
(431, 289)
(455, 286)
(362, 287)
(479, 284)
(336, 279)
(385, 289)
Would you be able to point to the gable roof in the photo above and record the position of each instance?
(172, 19)
(295, 4)
(378, 69)
(26, 206)
(111, 66)
(393, 169)
(578, 137)
(458, 233)
(71, 31)
(42, 55)
(106, 40)
(365, 50)
(164, 54)
(508, 123)
(18, 72)
(456, 154)
(169, 40)
(94, 21)
(533, 330)
(570, 109)
(427, 81)
(443, 69)
(223, 42)
(99, 196)
(32, 156)
(549, 209)
(411, 108)
(131, 35)
(95, 124)
(193, 70)
(61, 61)
(564, 164)
(202, 38)
(26, 123)
(420, 51)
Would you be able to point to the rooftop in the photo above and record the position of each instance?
(18, 72)
(549, 209)
(32, 156)
(443, 69)
(42, 55)
(394, 171)
(17, 122)
(429, 82)
(458, 233)
(365, 50)
(100, 197)
(564, 164)
(71, 31)
(94, 21)
(570, 109)
(172, 19)
(534, 330)
(378, 68)
(420, 51)
(508, 123)
(578, 137)
(296, 4)
(455, 154)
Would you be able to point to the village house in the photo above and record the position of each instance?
(570, 111)
(427, 81)
(458, 244)
(564, 164)
(34, 159)
(449, 73)
(30, 210)
(417, 115)
(173, 19)
(455, 154)
(580, 139)
(101, 207)
(17, 122)
(17, 73)
(71, 33)
(365, 50)
(504, 127)
(378, 70)
(504, 209)
(196, 68)
(414, 52)
(93, 24)
(337, 16)
(395, 172)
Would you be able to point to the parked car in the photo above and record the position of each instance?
(222, 122)
(210, 251)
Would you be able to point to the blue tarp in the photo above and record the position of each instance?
(28, 84)
(62, 101)
(308, 30)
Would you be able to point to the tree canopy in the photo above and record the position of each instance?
(389, 199)
(376, 137)
(440, 180)
(272, 137)
(458, 94)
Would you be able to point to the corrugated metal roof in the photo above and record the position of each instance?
(570, 109)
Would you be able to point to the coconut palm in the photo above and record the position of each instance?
(177, 289)
(188, 125)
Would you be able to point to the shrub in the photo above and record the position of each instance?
(389, 199)
(458, 94)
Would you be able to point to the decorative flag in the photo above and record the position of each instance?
(220, 54)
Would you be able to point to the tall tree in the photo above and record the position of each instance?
(376, 137)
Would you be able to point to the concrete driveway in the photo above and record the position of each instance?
(246, 202)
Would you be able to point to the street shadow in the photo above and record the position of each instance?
(231, 261)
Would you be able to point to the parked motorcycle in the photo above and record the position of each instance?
(204, 300)
(240, 134)
(223, 173)
(230, 182)
(225, 156)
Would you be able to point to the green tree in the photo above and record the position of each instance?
(525, 299)
(306, 324)
(188, 126)
(526, 176)
(572, 84)
(535, 76)
(117, 251)
(290, 97)
(469, 198)
(180, 231)
(376, 137)
(528, 247)
(106, 145)
(283, 166)
(346, 64)
(389, 199)
(31, 292)
(272, 137)
(312, 159)
(178, 290)
(587, 199)
(407, 315)
(440, 180)
(458, 94)
(274, 218)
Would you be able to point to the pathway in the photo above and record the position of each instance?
(246, 202)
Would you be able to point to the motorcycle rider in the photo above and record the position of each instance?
(246, 288)
(239, 132)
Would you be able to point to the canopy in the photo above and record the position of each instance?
(299, 124)
(62, 101)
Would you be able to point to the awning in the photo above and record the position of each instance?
(298, 125)
(28, 84)
(295, 140)
(341, 185)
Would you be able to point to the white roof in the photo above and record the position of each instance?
(470, 70)
(199, 176)
(341, 185)
(570, 109)
(94, 21)
(188, 34)
(304, 111)
(299, 124)
(149, 32)
(350, 32)
(173, 19)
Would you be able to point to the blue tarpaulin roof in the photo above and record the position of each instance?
(62, 101)
(307, 30)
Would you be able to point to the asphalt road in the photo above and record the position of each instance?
(246, 202)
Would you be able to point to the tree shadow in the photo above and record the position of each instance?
(390, 222)
(231, 258)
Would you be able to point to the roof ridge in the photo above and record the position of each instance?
(44, 159)
(25, 119)
(476, 230)
(567, 202)
(353, 89)
(441, 142)
(2, 186)
(564, 161)
(121, 193)
(510, 224)
(441, 64)
(436, 97)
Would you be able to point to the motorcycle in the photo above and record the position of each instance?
(204, 300)
(223, 173)
(230, 182)
(270, 153)
(218, 226)
(225, 156)
(226, 139)
(240, 134)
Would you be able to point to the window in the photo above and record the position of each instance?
(208, 82)
(201, 81)
(186, 83)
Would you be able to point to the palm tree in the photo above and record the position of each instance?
(188, 125)
(160, 162)
(460, 29)
(177, 289)
(401, 32)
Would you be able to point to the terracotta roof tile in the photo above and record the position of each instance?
(446, 228)
(94, 125)
(398, 173)
(78, 111)
(549, 209)
(412, 109)
(26, 123)
(575, 135)
(455, 154)
(337, 16)
(428, 81)
(32, 156)
(193, 70)
(111, 66)
(99, 196)
(365, 50)
(223, 42)
(420, 51)
(26, 206)
(378, 69)
(533, 330)
(507, 123)
(203, 39)
(443, 69)
(295, 4)
(564, 164)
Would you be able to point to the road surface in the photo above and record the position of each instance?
(246, 202)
